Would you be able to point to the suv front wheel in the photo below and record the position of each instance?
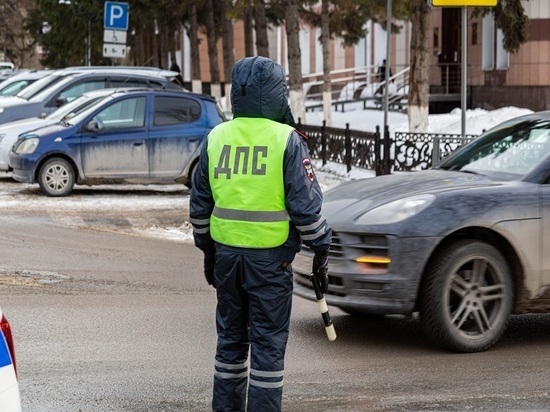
(467, 297)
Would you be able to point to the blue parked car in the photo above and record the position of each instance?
(135, 136)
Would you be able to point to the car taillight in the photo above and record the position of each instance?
(6, 331)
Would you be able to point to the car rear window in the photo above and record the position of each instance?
(76, 90)
(171, 110)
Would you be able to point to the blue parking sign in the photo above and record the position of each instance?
(116, 16)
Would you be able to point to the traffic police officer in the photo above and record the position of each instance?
(255, 198)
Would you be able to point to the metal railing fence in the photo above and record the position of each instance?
(380, 152)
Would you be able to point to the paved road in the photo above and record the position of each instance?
(104, 321)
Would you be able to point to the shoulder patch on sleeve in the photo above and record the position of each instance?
(309, 169)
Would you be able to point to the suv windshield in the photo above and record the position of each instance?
(508, 151)
(39, 85)
(13, 88)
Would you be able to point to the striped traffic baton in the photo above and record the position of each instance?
(329, 327)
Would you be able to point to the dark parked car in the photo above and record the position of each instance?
(465, 244)
(135, 136)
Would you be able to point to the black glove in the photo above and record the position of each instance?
(209, 261)
(320, 269)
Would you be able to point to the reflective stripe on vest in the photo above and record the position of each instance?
(245, 168)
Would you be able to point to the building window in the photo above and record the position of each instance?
(488, 43)
(305, 48)
(318, 52)
(436, 38)
(474, 34)
(492, 51)
(502, 56)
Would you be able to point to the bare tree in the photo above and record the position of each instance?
(194, 49)
(215, 86)
(248, 21)
(419, 86)
(228, 55)
(296, 92)
(325, 44)
(260, 23)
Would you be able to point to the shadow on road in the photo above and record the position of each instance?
(405, 332)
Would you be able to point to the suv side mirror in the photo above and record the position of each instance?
(60, 101)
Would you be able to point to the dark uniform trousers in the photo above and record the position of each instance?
(254, 293)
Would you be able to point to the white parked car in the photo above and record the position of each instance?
(10, 131)
(10, 400)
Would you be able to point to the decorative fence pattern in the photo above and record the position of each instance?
(371, 150)
(418, 151)
(346, 146)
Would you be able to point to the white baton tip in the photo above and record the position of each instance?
(331, 333)
(323, 305)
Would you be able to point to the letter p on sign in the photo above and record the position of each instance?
(116, 16)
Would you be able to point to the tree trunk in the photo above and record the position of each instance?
(195, 57)
(215, 87)
(165, 34)
(138, 48)
(248, 30)
(228, 55)
(325, 43)
(262, 42)
(156, 45)
(296, 92)
(172, 47)
(419, 86)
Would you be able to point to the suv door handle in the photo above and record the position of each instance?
(139, 143)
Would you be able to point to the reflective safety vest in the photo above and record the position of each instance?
(245, 168)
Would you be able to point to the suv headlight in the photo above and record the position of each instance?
(397, 210)
(26, 146)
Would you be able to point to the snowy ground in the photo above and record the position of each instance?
(138, 203)
(477, 120)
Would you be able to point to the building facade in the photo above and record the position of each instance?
(495, 78)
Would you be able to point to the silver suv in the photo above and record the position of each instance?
(62, 86)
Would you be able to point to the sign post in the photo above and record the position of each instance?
(464, 3)
(464, 39)
(115, 23)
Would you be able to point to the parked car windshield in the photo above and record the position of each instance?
(38, 86)
(13, 88)
(508, 151)
(85, 112)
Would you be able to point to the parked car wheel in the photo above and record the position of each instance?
(56, 177)
(467, 297)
